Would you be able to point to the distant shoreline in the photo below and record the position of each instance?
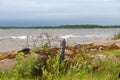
(58, 27)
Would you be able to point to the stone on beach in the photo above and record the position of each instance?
(12, 54)
(6, 64)
(115, 58)
(100, 45)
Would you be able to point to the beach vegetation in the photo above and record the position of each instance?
(116, 36)
(80, 67)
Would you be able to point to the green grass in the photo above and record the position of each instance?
(79, 68)
(116, 36)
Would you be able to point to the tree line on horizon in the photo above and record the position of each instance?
(61, 26)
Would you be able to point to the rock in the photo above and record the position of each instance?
(100, 57)
(71, 47)
(12, 54)
(93, 50)
(1, 56)
(4, 55)
(104, 43)
(6, 64)
(97, 58)
(92, 57)
(117, 44)
(85, 46)
(68, 52)
(115, 58)
(35, 55)
(25, 50)
(52, 51)
(99, 45)
(107, 44)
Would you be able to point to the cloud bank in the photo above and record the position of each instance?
(59, 12)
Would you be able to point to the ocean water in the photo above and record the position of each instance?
(16, 39)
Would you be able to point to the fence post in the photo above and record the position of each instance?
(63, 45)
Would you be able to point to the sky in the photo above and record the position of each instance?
(59, 12)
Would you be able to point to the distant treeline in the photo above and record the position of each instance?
(62, 26)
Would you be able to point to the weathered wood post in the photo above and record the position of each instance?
(63, 45)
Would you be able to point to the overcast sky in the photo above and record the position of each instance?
(59, 12)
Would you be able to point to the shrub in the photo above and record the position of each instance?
(79, 68)
(116, 36)
(23, 65)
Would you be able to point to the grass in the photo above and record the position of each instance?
(116, 36)
(79, 68)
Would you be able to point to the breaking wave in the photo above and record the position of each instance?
(73, 36)
(19, 37)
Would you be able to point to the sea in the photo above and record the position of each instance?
(17, 39)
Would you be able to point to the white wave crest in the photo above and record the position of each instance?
(68, 36)
(19, 37)
(73, 36)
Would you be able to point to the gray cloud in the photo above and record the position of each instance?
(59, 11)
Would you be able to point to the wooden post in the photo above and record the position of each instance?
(63, 46)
